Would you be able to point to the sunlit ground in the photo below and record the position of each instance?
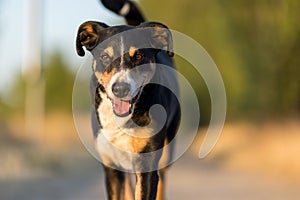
(271, 148)
(261, 159)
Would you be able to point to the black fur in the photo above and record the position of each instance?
(90, 35)
(134, 17)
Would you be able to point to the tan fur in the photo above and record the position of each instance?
(114, 188)
(161, 184)
(89, 28)
(98, 75)
(138, 144)
(128, 188)
(138, 187)
(160, 191)
(165, 157)
(105, 78)
(94, 65)
(163, 161)
(132, 51)
(110, 51)
(125, 141)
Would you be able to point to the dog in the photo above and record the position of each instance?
(124, 86)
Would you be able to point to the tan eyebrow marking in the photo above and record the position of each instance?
(109, 51)
(132, 51)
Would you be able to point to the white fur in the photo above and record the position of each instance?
(132, 77)
(123, 76)
(125, 9)
(115, 144)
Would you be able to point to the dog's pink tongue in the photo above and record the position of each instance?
(121, 107)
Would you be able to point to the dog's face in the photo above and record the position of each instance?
(124, 58)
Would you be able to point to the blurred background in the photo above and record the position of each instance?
(256, 46)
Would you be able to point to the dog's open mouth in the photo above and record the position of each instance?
(123, 108)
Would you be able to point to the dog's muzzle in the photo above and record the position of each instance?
(120, 89)
(123, 104)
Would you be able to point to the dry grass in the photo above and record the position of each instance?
(271, 148)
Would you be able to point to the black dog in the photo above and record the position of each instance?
(124, 86)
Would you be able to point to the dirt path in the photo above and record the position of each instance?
(189, 179)
(194, 179)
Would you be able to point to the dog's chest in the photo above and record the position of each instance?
(115, 144)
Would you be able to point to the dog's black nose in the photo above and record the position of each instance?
(120, 89)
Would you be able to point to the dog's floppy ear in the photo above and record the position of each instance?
(161, 36)
(88, 35)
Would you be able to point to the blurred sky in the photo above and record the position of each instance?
(61, 19)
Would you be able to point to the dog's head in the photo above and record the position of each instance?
(124, 58)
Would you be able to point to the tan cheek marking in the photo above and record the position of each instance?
(132, 51)
(98, 75)
(106, 77)
(110, 51)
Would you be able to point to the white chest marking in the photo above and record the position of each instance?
(117, 145)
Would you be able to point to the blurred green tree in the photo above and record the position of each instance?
(59, 80)
(59, 83)
(255, 44)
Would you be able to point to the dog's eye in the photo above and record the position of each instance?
(139, 56)
(104, 57)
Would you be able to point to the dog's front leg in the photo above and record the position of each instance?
(146, 186)
(114, 181)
